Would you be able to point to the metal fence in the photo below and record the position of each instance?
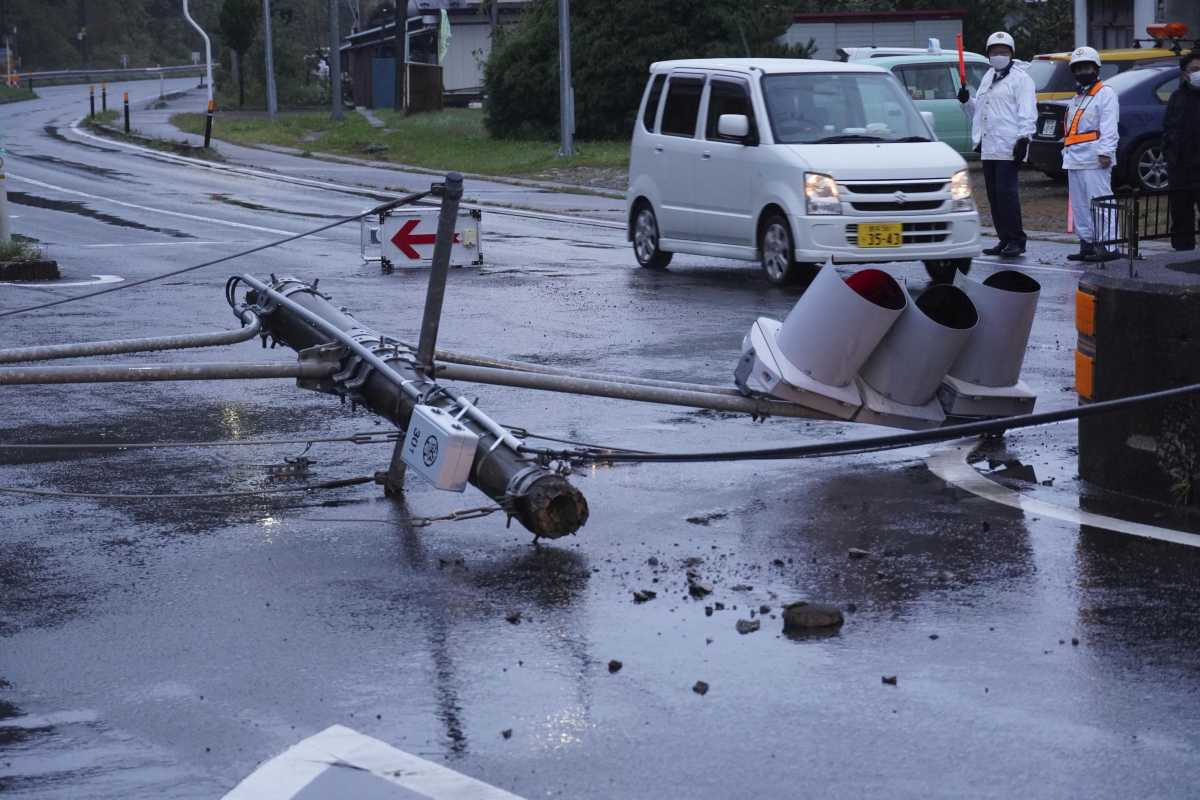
(1123, 221)
(87, 75)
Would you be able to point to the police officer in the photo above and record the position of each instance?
(1180, 128)
(1089, 153)
(1003, 118)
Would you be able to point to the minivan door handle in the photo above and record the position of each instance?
(706, 154)
(658, 148)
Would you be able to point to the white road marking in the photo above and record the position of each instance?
(182, 215)
(154, 244)
(339, 747)
(95, 281)
(950, 464)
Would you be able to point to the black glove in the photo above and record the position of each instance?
(1020, 149)
(963, 95)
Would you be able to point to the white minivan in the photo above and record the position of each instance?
(790, 163)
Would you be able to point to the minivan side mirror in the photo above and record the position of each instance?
(734, 126)
(928, 117)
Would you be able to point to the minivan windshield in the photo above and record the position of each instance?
(828, 108)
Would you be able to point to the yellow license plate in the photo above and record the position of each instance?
(880, 234)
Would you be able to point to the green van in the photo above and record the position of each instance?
(931, 78)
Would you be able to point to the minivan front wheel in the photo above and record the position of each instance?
(645, 240)
(777, 251)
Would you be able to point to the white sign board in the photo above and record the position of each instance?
(407, 236)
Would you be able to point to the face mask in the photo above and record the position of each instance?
(1086, 78)
(1000, 63)
(1194, 79)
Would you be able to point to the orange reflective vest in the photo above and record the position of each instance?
(1073, 135)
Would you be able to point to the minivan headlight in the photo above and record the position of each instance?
(960, 191)
(821, 194)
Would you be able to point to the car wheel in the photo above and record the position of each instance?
(1148, 167)
(645, 239)
(941, 270)
(776, 252)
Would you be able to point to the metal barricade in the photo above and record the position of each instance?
(1123, 221)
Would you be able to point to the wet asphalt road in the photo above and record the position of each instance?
(163, 649)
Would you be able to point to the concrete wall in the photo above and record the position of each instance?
(829, 36)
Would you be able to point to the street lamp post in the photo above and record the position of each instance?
(208, 119)
(272, 102)
(335, 61)
(566, 95)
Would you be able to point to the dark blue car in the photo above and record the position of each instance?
(1143, 94)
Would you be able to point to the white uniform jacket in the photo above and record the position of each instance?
(1094, 132)
(1002, 112)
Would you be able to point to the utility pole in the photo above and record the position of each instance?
(566, 94)
(400, 51)
(272, 102)
(335, 61)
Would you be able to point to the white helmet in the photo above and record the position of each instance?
(1081, 54)
(1000, 37)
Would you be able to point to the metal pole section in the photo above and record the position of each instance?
(132, 373)
(451, 193)
(103, 96)
(1081, 23)
(335, 62)
(450, 357)
(116, 346)
(566, 107)
(272, 101)
(296, 315)
(399, 51)
(91, 101)
(207, 49)
(125, 100)
(624, 391)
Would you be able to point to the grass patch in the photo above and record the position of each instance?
(8, 94)
(451, 139)
(20, 250)
(105, 117)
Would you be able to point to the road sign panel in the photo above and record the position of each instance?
(406, 238)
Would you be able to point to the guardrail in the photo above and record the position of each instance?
(62, 76)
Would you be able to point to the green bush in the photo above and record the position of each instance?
(613, 42)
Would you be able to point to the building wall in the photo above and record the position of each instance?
(829, 36)
(470, 43)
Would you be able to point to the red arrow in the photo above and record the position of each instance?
(404, 239)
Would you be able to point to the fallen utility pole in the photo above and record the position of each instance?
(376, 371)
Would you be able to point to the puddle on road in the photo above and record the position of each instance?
(80, 209)
(224, 198)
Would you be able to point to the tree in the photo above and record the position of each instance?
(239, 27)
(613, 42)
